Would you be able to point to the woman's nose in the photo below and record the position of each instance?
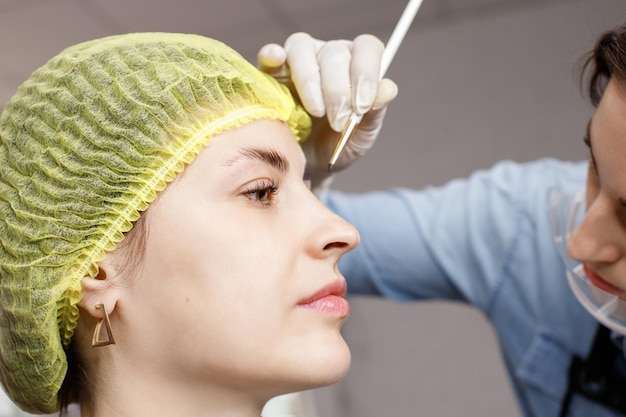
(599, 237)
(332, 235)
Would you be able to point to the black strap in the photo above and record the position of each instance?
(597, 377)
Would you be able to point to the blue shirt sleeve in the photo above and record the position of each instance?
(453, 242)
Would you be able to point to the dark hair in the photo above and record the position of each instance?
(607, 59)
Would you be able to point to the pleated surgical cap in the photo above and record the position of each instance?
(86, 144)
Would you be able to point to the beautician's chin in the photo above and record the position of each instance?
(603, 284)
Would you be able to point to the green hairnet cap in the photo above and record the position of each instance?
(86, 144)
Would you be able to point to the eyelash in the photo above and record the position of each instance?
(588, 145)
(586, 141)
(262, 192)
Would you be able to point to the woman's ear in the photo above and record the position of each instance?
(99, 290)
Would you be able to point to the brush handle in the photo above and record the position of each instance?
(397, 36)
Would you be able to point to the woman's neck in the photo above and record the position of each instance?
(150, 395)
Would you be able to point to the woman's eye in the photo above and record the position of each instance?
(262, 192)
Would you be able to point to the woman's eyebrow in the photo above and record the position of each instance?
(268, 156)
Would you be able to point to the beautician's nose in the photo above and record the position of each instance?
(331, 234)
(600, 236)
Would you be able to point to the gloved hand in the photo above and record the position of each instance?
(331, 79)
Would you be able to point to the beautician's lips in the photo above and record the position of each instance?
(330, 299)
(601, 283)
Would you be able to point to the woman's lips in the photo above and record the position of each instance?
(329, 299)
(599, 282)
(333, 304)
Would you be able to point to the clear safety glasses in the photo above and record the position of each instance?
(565, 213)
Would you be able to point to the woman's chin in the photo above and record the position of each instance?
(331, 366)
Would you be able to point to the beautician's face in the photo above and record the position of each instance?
(240, 284)
(600, 241)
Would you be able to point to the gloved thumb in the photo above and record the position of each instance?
(272, 58)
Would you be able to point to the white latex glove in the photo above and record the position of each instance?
(331, 79)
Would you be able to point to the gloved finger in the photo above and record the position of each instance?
(334, 60)
(364, 135)
(272, 59)
(302, 51)
(386, 92)
(367, 51)
(367, 130)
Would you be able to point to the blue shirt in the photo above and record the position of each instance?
(487, 241)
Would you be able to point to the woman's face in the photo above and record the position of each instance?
(600, 241)
(239, 284)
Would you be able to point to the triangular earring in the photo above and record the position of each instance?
(100, 338)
